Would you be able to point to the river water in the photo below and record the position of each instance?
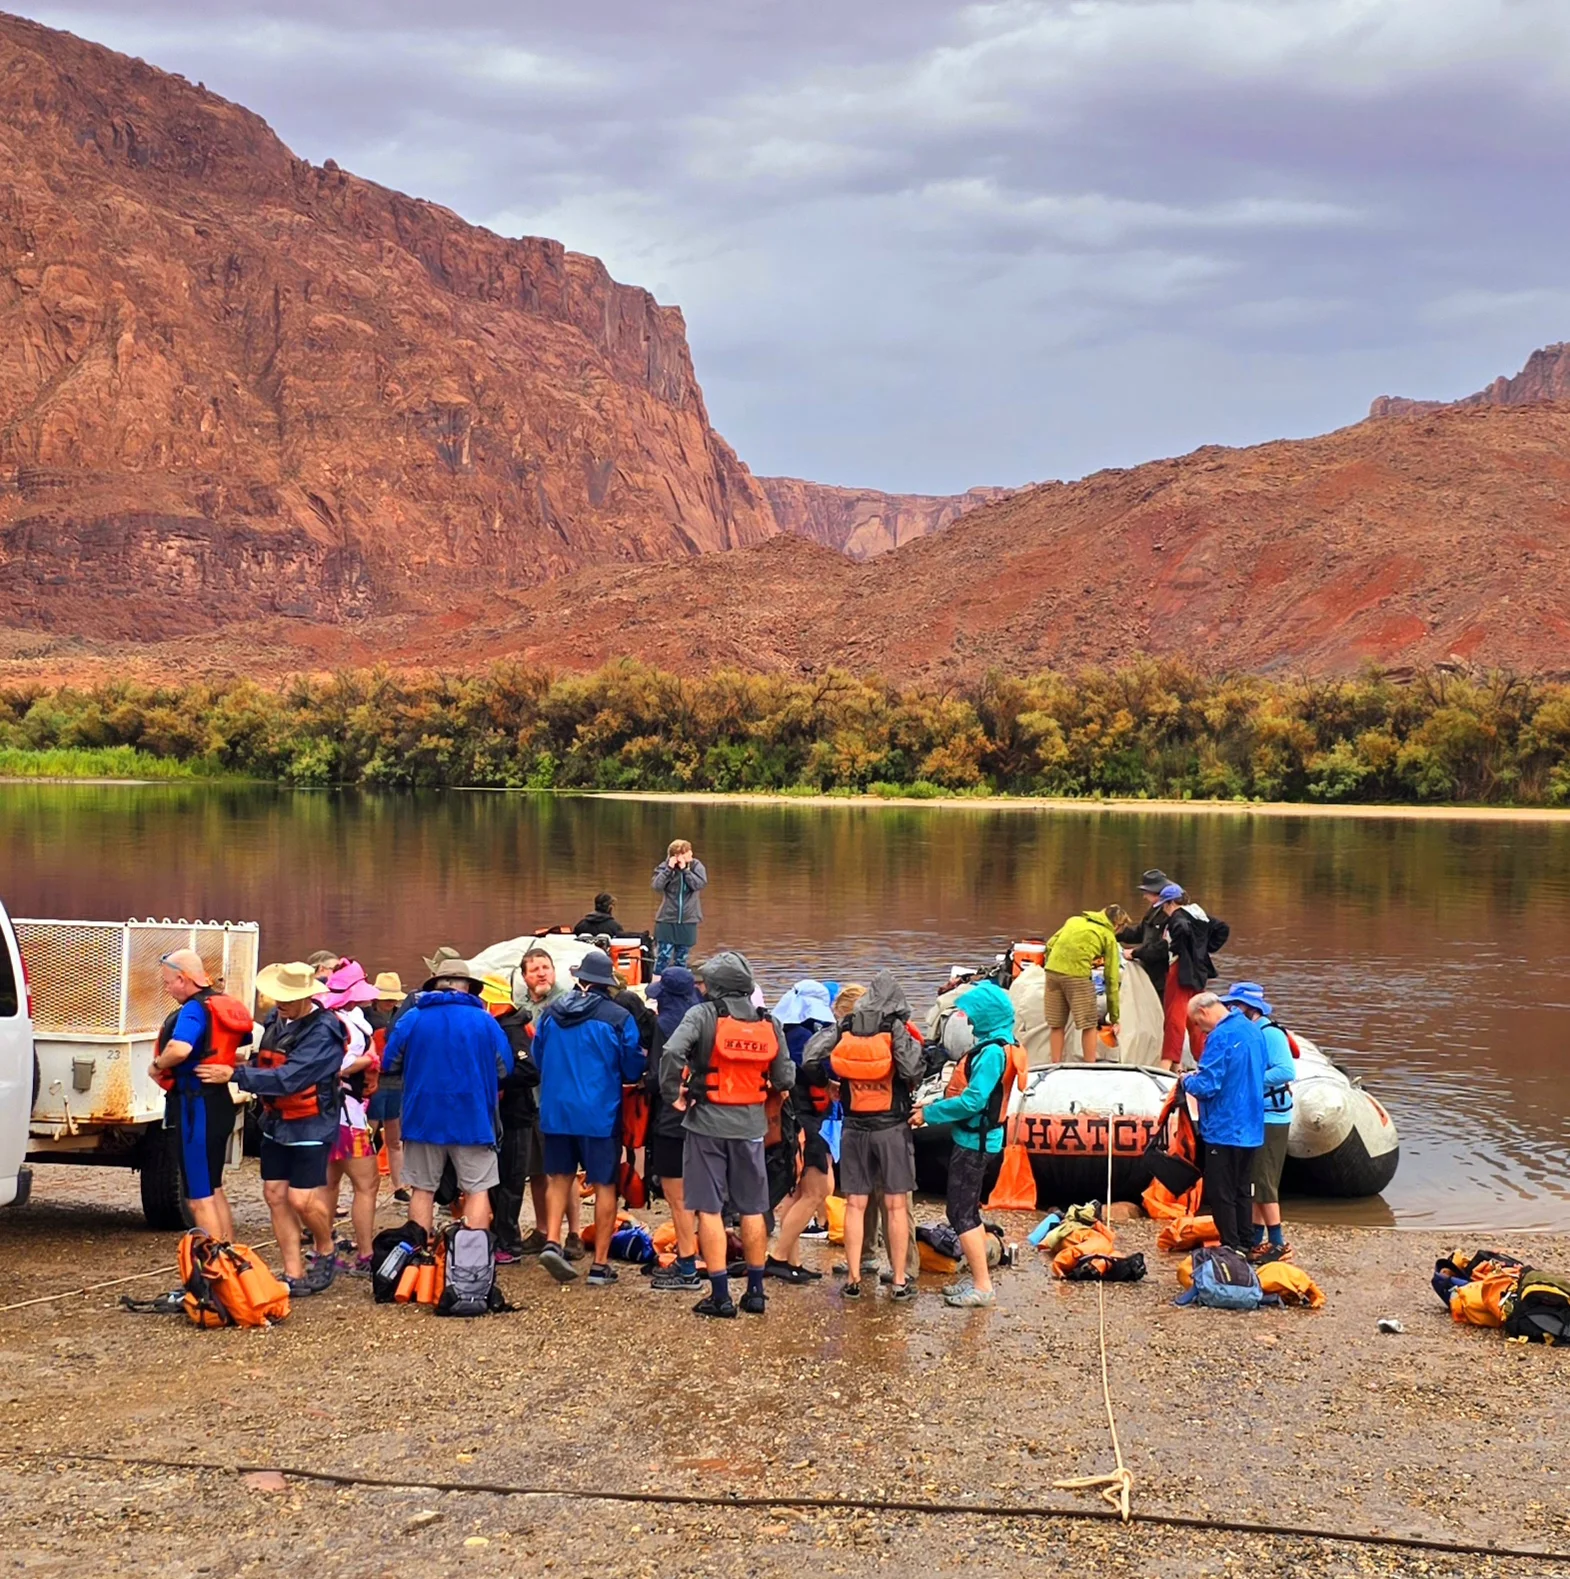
(1430, 956)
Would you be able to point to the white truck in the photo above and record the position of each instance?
(16, 1069)
(96, 1007)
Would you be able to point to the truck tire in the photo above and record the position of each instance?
(163, 1201)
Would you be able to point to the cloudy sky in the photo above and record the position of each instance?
(922, 245)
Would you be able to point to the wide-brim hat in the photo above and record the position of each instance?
(389, 984)
(1153, 881)
(1247, 995)
(596, 968)
(288, 983)
(494, 992)
(443, 956)
(455, 968)
(347, 986)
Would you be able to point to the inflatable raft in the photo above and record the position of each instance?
(1343, 1142)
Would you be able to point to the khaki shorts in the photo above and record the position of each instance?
(1269, 1160)
(475, 1166)
(1070, 997)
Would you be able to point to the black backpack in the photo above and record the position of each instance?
(1108, 1269)
(471, 1288)
(391, 1251)
(1539, 1309)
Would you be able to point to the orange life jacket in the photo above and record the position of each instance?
(864, 1065)
(302, 1104)
(228, 1029)
(737, 1074)
(1016, 1067)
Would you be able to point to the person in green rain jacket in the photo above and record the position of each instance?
(1073, 952)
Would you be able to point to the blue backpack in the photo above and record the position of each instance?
(1223, 1280)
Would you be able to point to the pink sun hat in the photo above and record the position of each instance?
(346, 987)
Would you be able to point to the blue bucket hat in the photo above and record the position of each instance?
(1247, 995)
(596, 968)
(1170, 892)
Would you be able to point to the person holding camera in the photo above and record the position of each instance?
(679, 880)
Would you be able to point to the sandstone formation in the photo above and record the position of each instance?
(862, 522)
(231, 381)
(1546, 376)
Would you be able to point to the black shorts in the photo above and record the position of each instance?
(967, 1175)
(815, 1152)
(662, 1156)
(305, 1167)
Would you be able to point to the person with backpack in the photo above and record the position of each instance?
(979, 1032)
(1073, 952)
(679, 880)
(201, 1114)
(1267, 1242)
(1229, 1086)
(674, 994)
(294, 1073)
(519, 1156)
(1193, 938)
(453, 1057)
(586, 1048)
(719, 1067)
(877, 1059)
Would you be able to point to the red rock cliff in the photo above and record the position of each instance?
(862, 522)
(1546, 376)
(229, 378)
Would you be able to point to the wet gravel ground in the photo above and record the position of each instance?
(1279, 1417)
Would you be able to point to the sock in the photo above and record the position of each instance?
(719, 1286)
(754, 1280)
(1256, 1234)
(553, 1244)
(1277, 1238)
(687, 1265)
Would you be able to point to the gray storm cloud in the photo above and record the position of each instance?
(922, 245)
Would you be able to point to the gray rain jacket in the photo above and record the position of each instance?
(728, 980)
(884, 1008)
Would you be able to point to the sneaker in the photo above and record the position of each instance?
(511, 1256)
(672, 1280)
(754, 1302)
(360, 1267)
(602, 1276)
(851, 1291)
(886, 1276)
(574, 1248)
(320, 1271)
(787, 1273)
(402, 1196)
(958, 1286)
(1263, 1254)
(815, 1230)
(971, 1298)
(556, 1263)
(533, 1243)
(842, 1269)
(715, 1307)
(903, 1292)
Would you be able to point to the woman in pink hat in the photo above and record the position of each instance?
(346, 993)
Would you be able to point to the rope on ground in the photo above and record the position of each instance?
(679, 1499)
(114, 1282)
(1118, 1487)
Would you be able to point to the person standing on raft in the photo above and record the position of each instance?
(1073, 952)
(1193, 937)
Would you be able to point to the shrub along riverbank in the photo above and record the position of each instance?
(1151, 728)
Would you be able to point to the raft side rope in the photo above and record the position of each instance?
(114, 1282)
(1116, 1488)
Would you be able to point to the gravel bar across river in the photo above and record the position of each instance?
(1284, 1417)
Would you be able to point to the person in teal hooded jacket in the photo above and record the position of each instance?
(979, 1033)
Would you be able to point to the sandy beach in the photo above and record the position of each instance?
(1284, 1417)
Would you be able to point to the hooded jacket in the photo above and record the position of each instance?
(991, 1016)
(587, 1048)
(883, 1007)
(681, 903)
(520, 1102)
(1194, 939)
(454, 1057)
(727, 977)
(1076, 946)
(1230, 1084)
(1148, 939)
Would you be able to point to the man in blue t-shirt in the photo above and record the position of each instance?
(202, 1114)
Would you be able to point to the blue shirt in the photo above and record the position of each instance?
(1230, 1084)
(190, 1026)
(1280, 1072)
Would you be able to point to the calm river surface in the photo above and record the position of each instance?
(1432, 956)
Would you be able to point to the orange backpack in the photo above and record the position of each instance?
(866, 1065)
(228, 1285)
(738, 1070)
